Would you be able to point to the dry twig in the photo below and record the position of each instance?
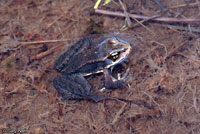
(128, 20)
(119, 113)
(182, 28)
(126, 14)
(183, 9)
(163, 7)
(197, 1)
(170, 53)
(183, 5)
(43, 41)
(163, 19)
(41, 55)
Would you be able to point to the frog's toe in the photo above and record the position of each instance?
(125, 76)
(98, 98)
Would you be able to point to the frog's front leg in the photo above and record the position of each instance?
(111, 83)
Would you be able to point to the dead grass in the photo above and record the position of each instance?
(164, 69)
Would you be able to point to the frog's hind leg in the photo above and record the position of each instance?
(72, 87)
(80, 46)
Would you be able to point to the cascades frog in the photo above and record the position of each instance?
(85, 58)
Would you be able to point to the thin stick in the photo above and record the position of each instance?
(126, 14)
(48, 52)
(183, 9)
(163, 19)
(163, 7)
(129, 21)
(117, 116)
(44, 41)
(198, 5)
(141, 23)
(185, 29)
(170, 53)
(183, 5)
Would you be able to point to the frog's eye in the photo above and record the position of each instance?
(112, 41)
(114, 56)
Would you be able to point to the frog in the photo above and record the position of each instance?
(86, 58)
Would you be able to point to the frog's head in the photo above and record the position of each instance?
(114, 50)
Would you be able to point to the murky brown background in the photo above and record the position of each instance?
(164, 68)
